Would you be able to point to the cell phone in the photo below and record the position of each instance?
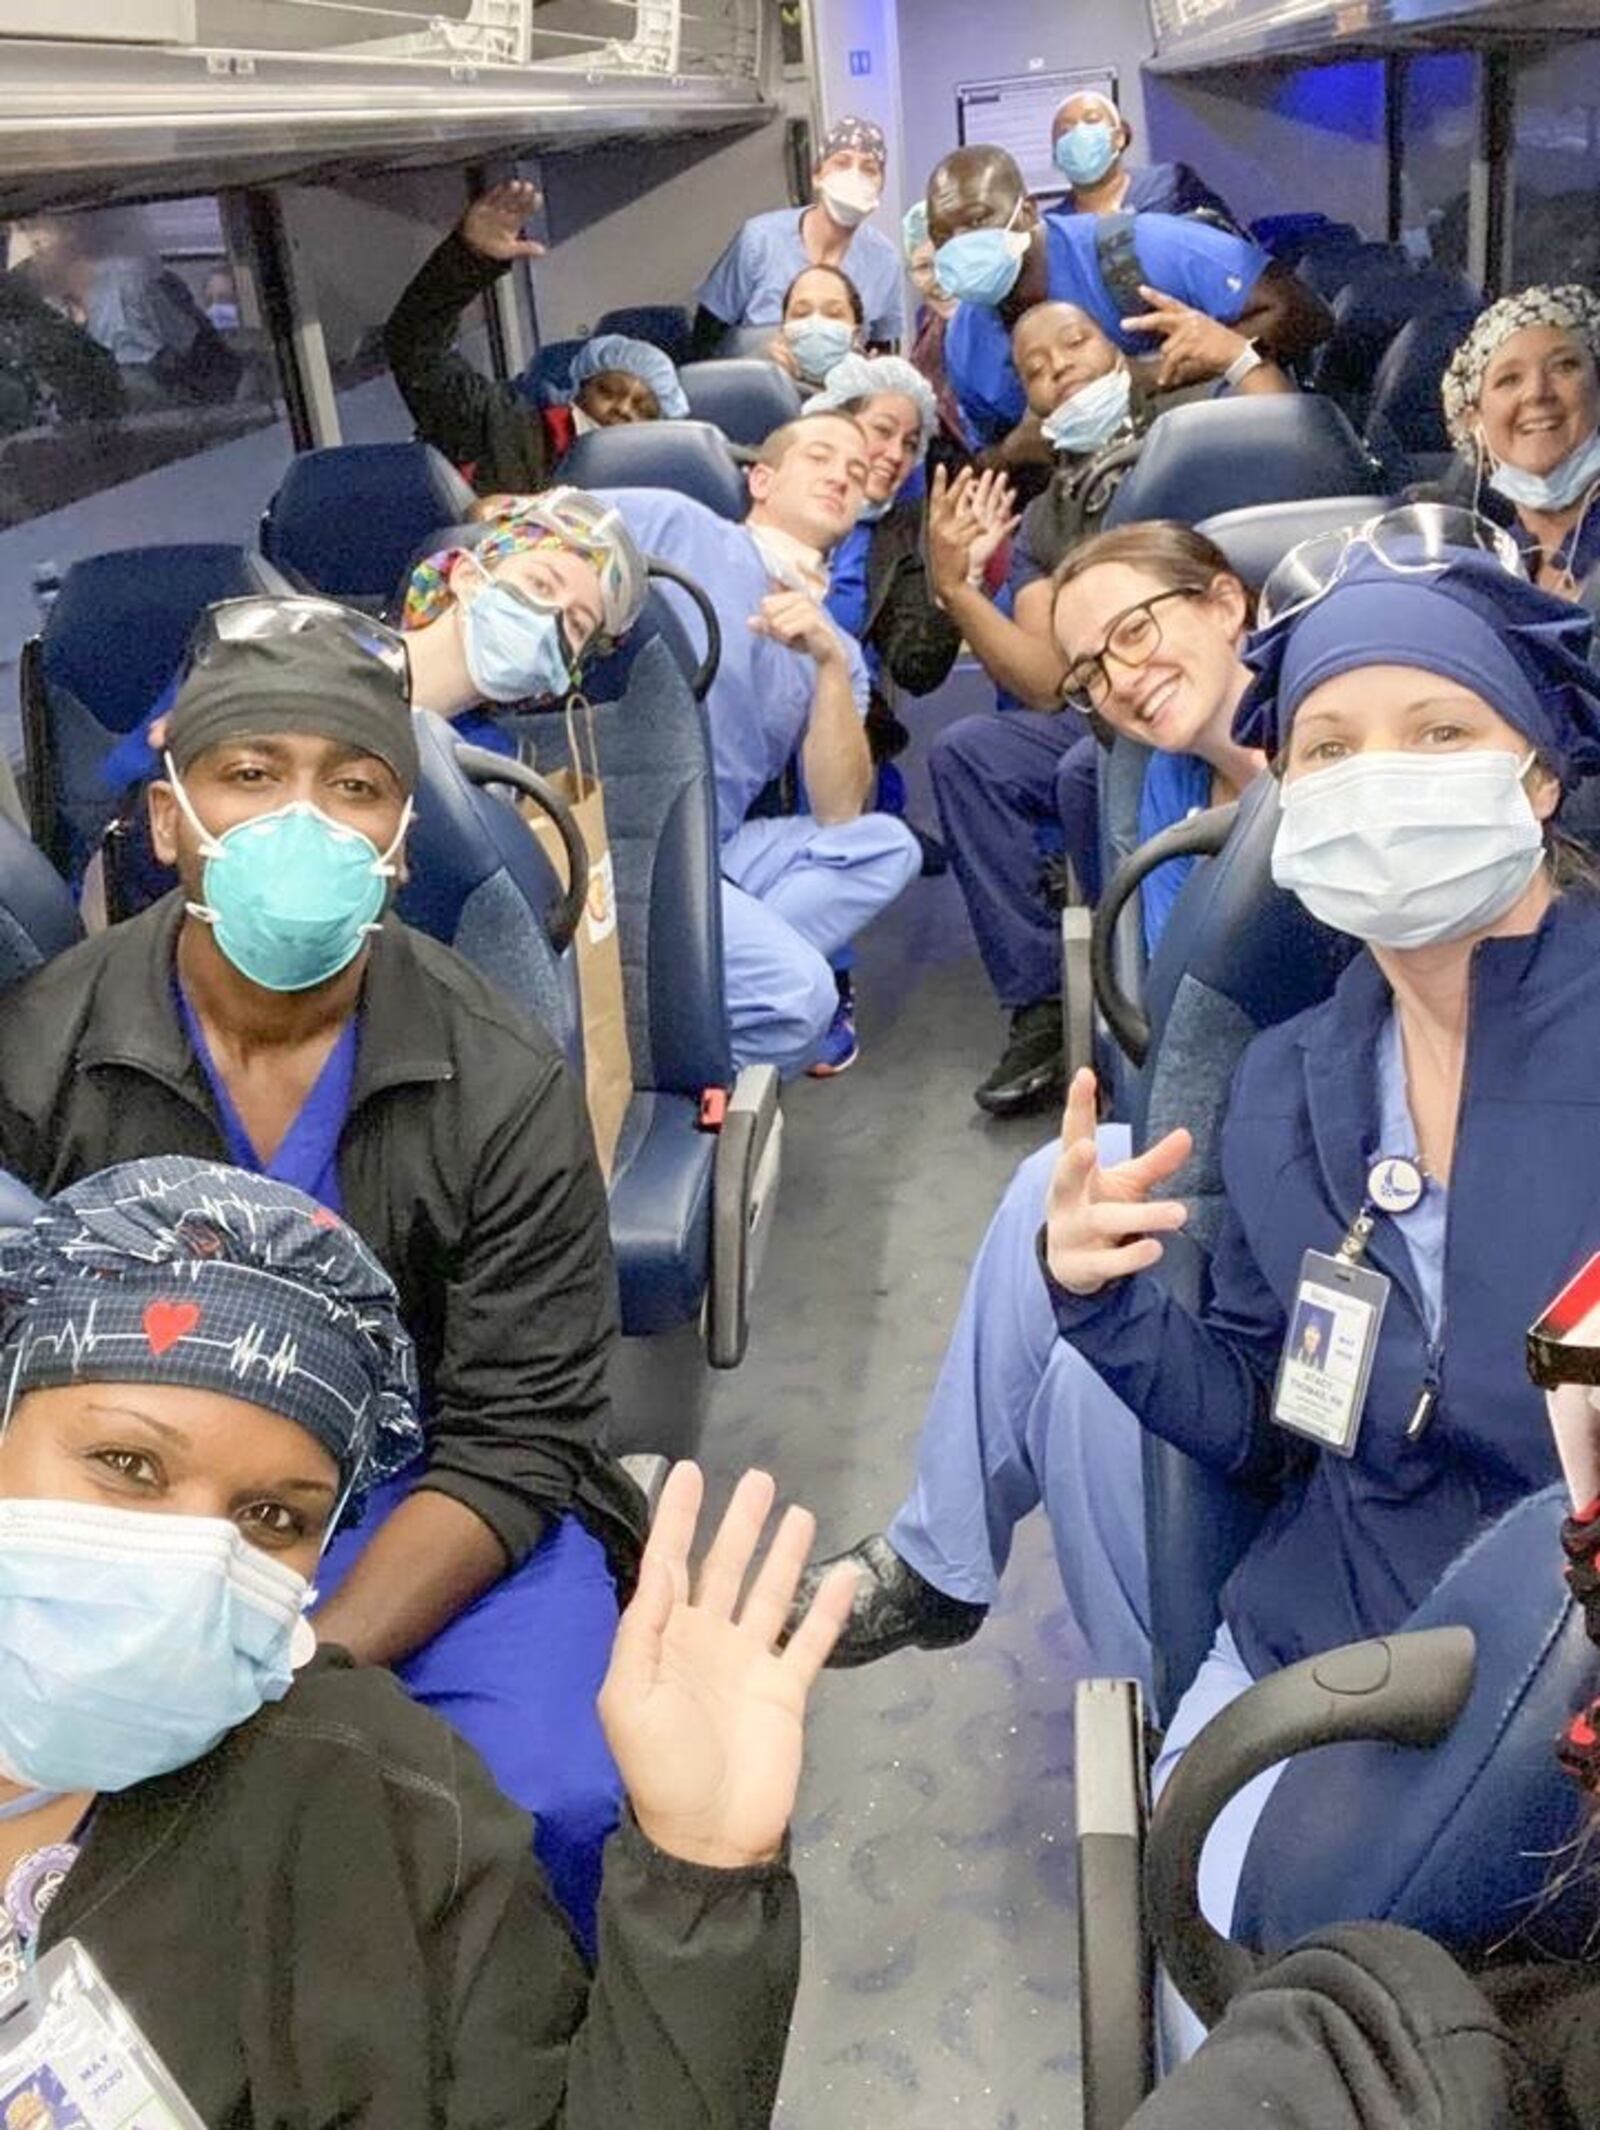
(1564, 1360)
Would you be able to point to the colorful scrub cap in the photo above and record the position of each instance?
(1572, 307)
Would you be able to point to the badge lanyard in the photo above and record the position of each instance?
(1339, 1304)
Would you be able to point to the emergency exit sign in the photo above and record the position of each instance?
(860, 62)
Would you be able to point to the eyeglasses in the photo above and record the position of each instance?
(1133, 639)
(1411, 541)
(258, 619)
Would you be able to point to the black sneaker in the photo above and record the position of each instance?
(1032, 1072)
(895, 1608)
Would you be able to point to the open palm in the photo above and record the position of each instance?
(492, 225)
(705, 1716)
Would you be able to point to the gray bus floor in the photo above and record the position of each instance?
(933, 1839)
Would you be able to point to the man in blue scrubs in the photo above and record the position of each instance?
(1089, 143)
(747, 284)
(791, 686)
(270, 1015)
(1001, 255)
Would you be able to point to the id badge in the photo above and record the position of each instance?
(1327, 1359)
(72, 2056)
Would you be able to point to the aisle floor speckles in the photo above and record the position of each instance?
(934, 1836)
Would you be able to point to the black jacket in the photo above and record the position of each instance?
(480, 423)
(465, 1163)
(917, 641)
(335, 1919)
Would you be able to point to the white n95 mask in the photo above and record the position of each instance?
(1409, 850)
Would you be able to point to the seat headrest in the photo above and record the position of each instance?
(744, 340)
(122, 621)
(664, 325)
(689, 457)
(1405, 396)
(346, 518)
(1255, 540)
(38, 919)
(745, 397)
(1220, 454)
(1466, 1840)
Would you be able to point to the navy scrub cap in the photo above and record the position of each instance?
(174, 1270)
(1523, 650)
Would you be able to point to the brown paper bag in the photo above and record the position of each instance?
(608, 1064)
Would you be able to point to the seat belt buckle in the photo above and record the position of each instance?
(713, 1109)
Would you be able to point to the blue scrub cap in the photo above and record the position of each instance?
(175, 1270)
(1471, 621)
(618, 351)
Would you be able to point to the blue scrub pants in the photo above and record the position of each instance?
(517, 1675)
(1002, 780)
(793, 894)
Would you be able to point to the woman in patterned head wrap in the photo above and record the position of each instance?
(303, 1887)
(1522, 406)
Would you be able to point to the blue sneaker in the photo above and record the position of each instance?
(839, 1046)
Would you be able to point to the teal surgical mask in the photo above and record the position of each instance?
(290, 895)
(982, 265)
(1092, 415)
(817, 344)
(1086, 151)
(1554, 490)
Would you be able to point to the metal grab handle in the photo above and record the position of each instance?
(1201, 836)
(706, 672)
(1407, 1689)
(480, 765)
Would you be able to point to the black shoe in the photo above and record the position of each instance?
(935, 858)
(895, 1608)
(1032, 1071)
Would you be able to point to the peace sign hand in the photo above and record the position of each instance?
(1194, 345)
(1101, 1224)
(492, 225)
(706, 1716)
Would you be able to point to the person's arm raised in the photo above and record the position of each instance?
(1195, 346)
(1017, 658)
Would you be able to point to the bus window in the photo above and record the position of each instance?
(357, 244)
(1438, 135)
(1556, 117)
(139, 401)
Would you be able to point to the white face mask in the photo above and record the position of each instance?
(1558, 488)
(850, 196)
(1409, 850)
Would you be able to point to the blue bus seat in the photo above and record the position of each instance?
(1238, 955)
(545, 377)
(1368, 313)
(689, 457)
(664, 325)
(1221, 454)
(38, 917)
(1332, 261)
(1256, 539)
(1467, 1840)
(1290, 236)
(345, 519)
(746, 340)
(745, 398)
(1405, 414)
(478, 880)
(110, 644)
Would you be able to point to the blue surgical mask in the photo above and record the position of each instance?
(290, 895)
(1554, 490)
(1086, 151)
(982, 265)
(1092, 415)
(1409, 850)
(817, 344)
(131, 1643)
(516, 649)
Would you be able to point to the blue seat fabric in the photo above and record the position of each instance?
(38, 918)
(1256, 539)
(545, 377)
(1467, 1840)
(745, 398)
(1221, 454)
(689, 457)
(345, 519)
(664, 325)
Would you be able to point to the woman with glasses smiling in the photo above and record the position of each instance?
(1427, 708)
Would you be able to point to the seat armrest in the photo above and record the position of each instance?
(1077, 986)
(648, 1470)
(744, 1181)
(1115, 1980)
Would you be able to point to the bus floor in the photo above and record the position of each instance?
(933, 1839)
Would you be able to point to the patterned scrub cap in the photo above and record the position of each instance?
(864, 135)
(175, 1270)
(1570, 306)
(557, 519)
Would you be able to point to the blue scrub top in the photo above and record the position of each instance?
(1175, 786)
(308, 1158)
(1199, 265)
(1172, 188)
(847, 590)
(747, 284)
(760, 702)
